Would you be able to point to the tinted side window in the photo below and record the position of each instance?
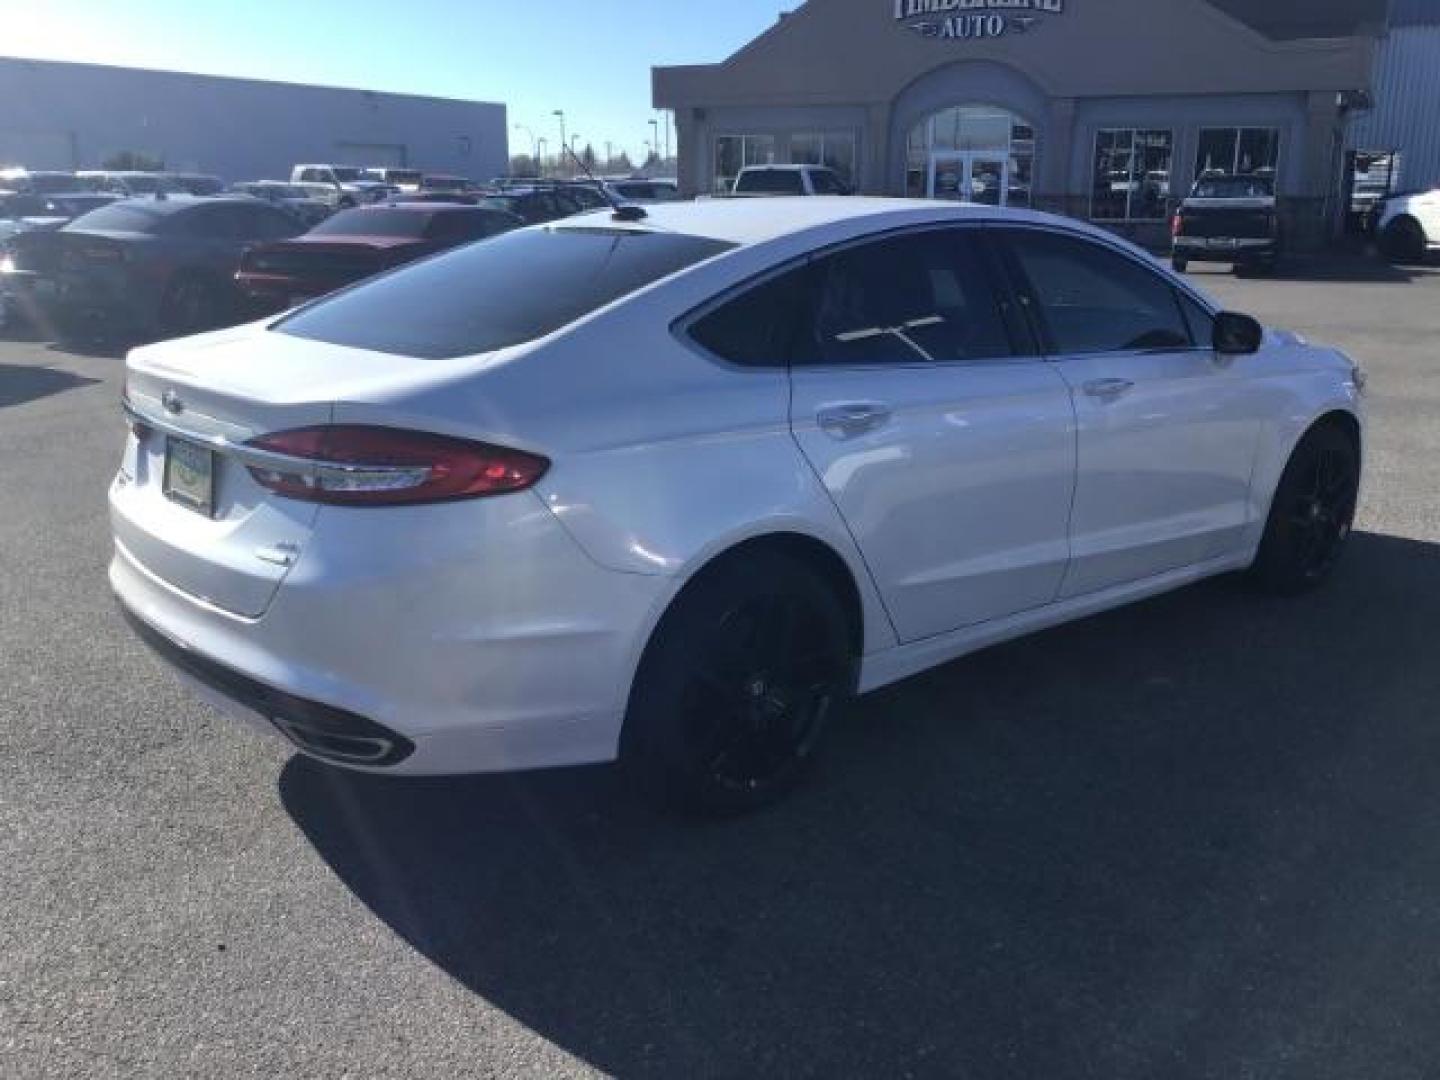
(1093, 300)
(917, 298)
(1201, 322)
(825, 183)
(759, 327)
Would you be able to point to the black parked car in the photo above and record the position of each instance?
(159, 266)
(535, 205)
(1228, 219)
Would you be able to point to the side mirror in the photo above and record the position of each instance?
(1237, 334)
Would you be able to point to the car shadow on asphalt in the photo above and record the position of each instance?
(1199, 829)
(1330, 268)
(20, 383)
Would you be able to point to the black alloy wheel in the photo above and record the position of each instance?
(734, 694)
(1313, 513)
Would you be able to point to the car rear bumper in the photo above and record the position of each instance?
(1225, 248)
(429, 651)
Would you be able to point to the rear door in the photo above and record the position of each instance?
(946, 442)
(1167, 426)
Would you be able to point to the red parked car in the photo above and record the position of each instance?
(356, 244)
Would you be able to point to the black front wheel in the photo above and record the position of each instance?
(1312, 515)
(735, 691)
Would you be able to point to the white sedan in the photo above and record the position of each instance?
(670, 486)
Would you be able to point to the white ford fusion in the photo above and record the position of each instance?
(668, 486)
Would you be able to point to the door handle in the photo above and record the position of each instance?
(849, 421)
(1108, 389)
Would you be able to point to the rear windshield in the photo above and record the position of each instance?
(516, 287)
(771, 182)
(120, 217)
(408, 224)
(1235, 187)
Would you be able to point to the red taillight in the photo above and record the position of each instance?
(358, 465)
(1177, 224)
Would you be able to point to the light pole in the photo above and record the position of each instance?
(542, 145)
(654, 137)
(534, 147)
(560, 113)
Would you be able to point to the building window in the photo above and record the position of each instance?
(836, 150)
(1132, 175)
(1244, 151)
(734, 152)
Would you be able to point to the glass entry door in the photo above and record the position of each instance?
(970, 176)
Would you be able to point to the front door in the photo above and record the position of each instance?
(1168, 428)
(969, 176)
(946, 445)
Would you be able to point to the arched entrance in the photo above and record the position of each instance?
(976, 153)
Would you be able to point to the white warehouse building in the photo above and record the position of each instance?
(75, 116)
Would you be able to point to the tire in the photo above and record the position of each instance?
(737, 686)
(1179, 265)
(1404, 241)
(192, 304)
(1312, 514)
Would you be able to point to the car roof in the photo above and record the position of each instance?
(755, 221)
(174, 203)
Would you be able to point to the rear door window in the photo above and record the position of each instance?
(926, 297)
(517, 287)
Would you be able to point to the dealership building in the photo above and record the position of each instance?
(75, 116)
(1101, 109)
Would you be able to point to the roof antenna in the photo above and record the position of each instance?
(623, 211)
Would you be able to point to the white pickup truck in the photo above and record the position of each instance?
(1409, 225)
(355, 187)
(761, 180)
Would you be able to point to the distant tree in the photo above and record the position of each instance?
(621, 164)
(523, 165)
(651, 160)
(133, 161)
(587, 156)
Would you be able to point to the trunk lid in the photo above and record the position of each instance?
(211, 392)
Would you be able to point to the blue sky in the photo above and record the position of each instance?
(591, 59)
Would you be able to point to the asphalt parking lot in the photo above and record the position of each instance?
(1195, 838)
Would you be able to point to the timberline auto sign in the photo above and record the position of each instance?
(969, 19)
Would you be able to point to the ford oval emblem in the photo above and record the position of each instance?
(171, 400)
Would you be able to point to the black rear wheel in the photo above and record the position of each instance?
(1312, 515)
(1179, 265)
(193, 303)
(737, 687)
(1403, 241)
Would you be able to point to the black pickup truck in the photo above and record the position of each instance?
(1228, 219)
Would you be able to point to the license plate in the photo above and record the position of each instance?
(190, 475)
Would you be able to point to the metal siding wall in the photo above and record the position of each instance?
(74, 115)
(1407, 104)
